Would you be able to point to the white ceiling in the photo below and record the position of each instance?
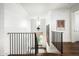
(41, 8)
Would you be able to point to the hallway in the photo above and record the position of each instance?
(39, 29)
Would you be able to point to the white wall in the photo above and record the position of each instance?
(60, 14)
(16, 20)
(1, 29)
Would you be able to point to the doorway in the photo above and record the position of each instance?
(75, 27)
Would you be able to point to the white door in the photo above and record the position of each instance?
(75, 25)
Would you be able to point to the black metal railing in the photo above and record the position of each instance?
(23, 44)
(57, 40)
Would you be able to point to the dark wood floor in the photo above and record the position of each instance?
(71, 49)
